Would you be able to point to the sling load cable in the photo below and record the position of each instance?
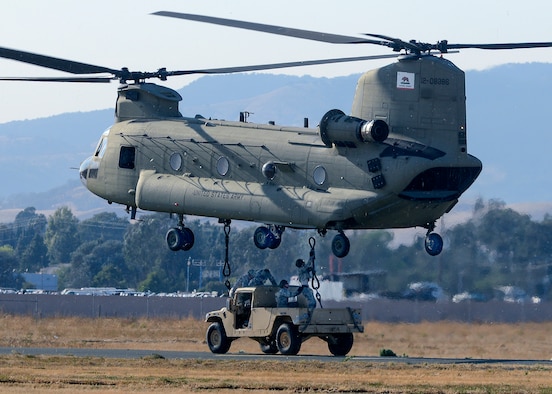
(315, 282)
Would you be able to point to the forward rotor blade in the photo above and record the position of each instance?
(396, 43)
(56, 79)
(279, 30)
(229, 70)
(55, 63)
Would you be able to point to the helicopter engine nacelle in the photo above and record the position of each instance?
(342, 130)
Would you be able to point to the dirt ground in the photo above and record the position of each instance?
(42, 374)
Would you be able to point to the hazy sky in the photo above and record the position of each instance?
(115, 34)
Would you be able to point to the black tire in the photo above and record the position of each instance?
(433, 244)
(274, 241)
(175, 239)
(340, 245)
(341, 344)
(288, 340)
(268, 347)
(217, 340)
(188, 239)
(261, 237)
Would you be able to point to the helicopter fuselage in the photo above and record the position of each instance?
(399, 161)
(212, 168)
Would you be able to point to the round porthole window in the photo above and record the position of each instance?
(269, 170)
(319, 175)
(175, 161)
(223, 165)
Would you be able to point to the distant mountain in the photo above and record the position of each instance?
(280, 98)
(508, 129)
(40, 154)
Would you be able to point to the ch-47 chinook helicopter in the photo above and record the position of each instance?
(398, 160)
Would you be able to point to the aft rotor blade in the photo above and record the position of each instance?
(514, 45)
(279, 30)
(228, 70)
(54, 63)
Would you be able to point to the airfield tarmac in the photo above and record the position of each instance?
(236, 373)
(141, 355)
(241, 356)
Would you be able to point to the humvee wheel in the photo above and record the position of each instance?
(340, 344)
(217, 340)
(287, 340)
(269, 347)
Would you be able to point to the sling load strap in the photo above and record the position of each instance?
(315, 282)
(226, 270)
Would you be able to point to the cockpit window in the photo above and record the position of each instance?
(102, 145)
(127, 156)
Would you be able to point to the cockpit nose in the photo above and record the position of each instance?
(87, 170)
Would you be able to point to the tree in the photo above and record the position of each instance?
(370, 250)
(105, 225)
(61, 235)
(8, 264)
(145, 251)
(97, 263)
(156, 281)
(34, 256)
(30, 249)
(107, 265)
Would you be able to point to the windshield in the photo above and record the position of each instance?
(102, 145)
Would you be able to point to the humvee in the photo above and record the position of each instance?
(252, 313)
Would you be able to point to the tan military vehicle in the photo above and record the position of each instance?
(252, 313)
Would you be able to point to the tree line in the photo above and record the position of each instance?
(496, 246)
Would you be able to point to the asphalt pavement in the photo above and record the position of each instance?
(240, 356)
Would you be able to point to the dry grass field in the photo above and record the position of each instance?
(48, 374)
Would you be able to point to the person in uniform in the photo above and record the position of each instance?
(284, 294)
(305, 273)
(261, 276)
(242, 282)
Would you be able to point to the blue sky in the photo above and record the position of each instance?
(122, 33)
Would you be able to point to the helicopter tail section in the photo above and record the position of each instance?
(420, 98)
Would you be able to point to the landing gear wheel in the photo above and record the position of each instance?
(340, 245)
(188, 238)
(287, 340)
(269, 347)
(217, 340)
(180, 239)
(175, 239)
(433, 244)
(340, 344)
(261, 237)
(274, 241)
(264, 237)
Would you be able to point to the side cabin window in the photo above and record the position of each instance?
(127, 156)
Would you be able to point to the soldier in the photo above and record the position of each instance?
(242, 282)
(305, 273)
(284, 294)
(260, 278)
